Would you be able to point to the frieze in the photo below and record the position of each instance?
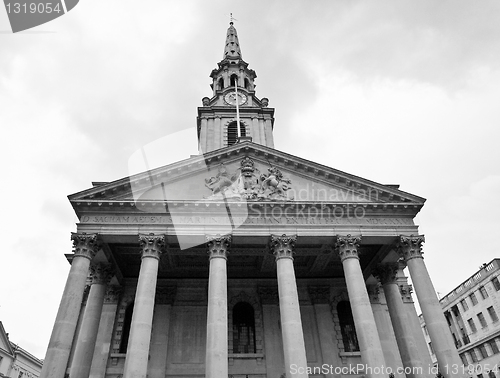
(251, 219)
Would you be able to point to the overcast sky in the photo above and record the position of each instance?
(398, 92)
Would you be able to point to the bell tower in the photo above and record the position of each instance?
(233, 103)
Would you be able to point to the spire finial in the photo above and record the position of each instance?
(231, 19)
(232, 47)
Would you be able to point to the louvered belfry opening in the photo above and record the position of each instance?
(232, 132)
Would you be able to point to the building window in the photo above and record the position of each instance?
(464, 359)
(493, 314)
(473, 355)
(482, 319)
(496, 283)
(232, 132)
(483, 292)
(243, 328)
(472, 325)
(221, 83)
(464, 304)
(127, 321)
(473, 299)
(234, 80)
(494, 347)
(347, 328)
(431, 348)
(482, 351)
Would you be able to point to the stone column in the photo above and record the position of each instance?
(384, 327)
(85, 343)
(414, 321)
(136, 361)
(216, 363)
(410, 249)
(364, 321)
(269, 133)
(105, 332)
(203, 136)
(291, 323)
(387, 274)
(56, 358)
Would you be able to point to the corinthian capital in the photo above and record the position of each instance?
(84, 244)
(410, 247)
(101, 273)
(218, 246)
(386, 273)
(151, 245)
(347, 246)
(282, 246)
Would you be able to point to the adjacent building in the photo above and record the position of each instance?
(15, 362)
(471, 311)
(246, 262)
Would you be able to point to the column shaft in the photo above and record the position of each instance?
(366, 328)
(216, 363)
(216, 358)
(364, 321)
(80, 368)
(407, 346)
(291, 323)
(442, 342)
(449, 363)
(56, 358)
(136, 361)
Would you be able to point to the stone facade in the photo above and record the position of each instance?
(471, 310)
(245, 262)
(16, 362)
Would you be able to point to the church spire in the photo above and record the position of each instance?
(232, 49)
(233, 113)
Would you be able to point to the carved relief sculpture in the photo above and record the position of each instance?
(248, 184)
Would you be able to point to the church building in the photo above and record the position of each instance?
(246, 262)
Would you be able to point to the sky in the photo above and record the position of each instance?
(398, 92)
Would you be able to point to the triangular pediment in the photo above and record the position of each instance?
(4, 341)
(250, 172)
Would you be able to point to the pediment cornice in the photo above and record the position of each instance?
(117, 194)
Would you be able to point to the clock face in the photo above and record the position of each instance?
(231, 97)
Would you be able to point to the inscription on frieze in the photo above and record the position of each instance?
(250, 220)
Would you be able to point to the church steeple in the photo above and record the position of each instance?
(232, 84)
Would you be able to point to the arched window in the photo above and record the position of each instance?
(234, 80)
(243, 328)
(247, 84)
(347, 327)
(221, 83)
(127, 321)
(232, 132)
